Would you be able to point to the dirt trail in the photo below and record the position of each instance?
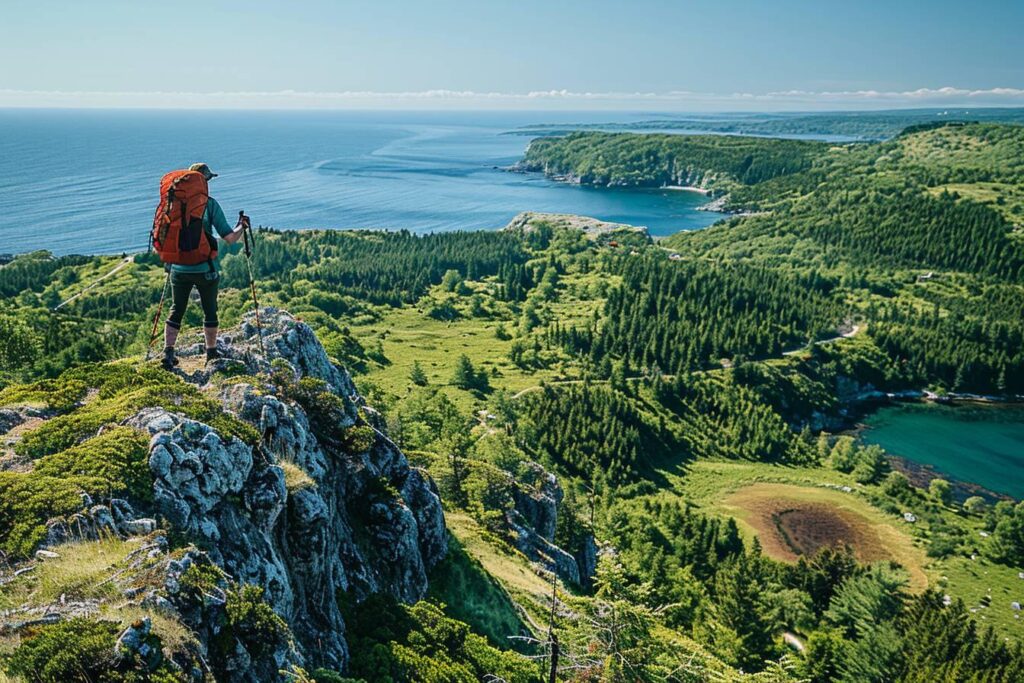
(124, 262)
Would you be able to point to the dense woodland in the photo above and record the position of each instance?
(655, 160)
(619, 364)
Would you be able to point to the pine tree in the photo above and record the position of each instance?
(417, 375)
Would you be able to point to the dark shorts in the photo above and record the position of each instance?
(181, 288)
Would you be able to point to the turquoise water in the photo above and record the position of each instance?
(86, 181)
(979, 444)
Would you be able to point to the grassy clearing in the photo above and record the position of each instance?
(78, 573)
(793, 520)
(1006, 198)
(409, 335)
(752, 492)
(980, 582)
(90, 570)
(741, 490)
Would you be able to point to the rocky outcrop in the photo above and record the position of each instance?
(538, 503)
(9, 419)
(532, 522)
(541, 550)
(370, 523)
(593, 228)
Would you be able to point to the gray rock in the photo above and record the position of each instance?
(300, 546)
(9, 419)
(586, 560)
(540, 550)
(138, 527)
(538, 499)
(133, 642)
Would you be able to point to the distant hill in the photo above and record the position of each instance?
(851, 125)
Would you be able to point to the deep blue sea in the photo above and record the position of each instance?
(86, 181)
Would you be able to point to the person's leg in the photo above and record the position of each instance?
(181, 288)
(208, 298)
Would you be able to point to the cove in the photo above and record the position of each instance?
(975, 443)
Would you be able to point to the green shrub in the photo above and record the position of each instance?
(200, 579)
(27, 501)
(394, 642)
(253, 621)
(326, 676)
(80, 650)
(118, 456)
(123, 391)
(56, 394)
(358, 438)
(111, 464)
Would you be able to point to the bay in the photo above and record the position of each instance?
(85, 181)
(974, 443)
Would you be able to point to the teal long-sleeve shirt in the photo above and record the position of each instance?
(213, 219)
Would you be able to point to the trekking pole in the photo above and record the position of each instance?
(159, 311)
(247, 241)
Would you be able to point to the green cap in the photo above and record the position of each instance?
(204, 169)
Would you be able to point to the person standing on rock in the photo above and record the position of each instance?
(183, 237)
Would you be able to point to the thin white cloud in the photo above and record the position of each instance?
(682, 100)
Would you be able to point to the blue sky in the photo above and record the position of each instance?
(643, 54)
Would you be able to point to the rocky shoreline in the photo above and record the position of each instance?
(716, 202)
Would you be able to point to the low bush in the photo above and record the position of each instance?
(80, 650)
(123, 391)
(253, 621)
(113, 464)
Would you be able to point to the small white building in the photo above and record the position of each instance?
(909, 517)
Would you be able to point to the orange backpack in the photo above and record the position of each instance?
(178, 236)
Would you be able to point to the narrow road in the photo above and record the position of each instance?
(843, 335)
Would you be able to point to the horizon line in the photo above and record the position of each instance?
(534, 100)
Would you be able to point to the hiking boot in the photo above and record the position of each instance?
(213, 354)
(169, 361)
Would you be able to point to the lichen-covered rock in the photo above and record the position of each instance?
(136, 643)
(369, 524)
(538, 500)
(586, 560)
(541, 550)
(9, 419)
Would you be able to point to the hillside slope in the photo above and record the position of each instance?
(265, 465)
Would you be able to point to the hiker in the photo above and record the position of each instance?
(183, 236)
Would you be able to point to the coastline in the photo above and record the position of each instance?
(715, 203)
(687, 188)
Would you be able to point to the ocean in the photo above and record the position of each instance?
(86, 181)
